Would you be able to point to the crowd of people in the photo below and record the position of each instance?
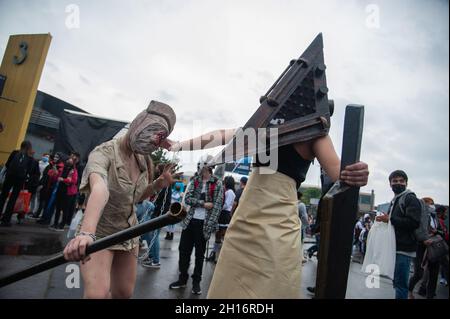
(52, 183)
(120, 187)
(420, 240)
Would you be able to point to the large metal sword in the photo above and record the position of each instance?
(175, 215)
(338, 210)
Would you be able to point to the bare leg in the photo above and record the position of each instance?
(96, 275)
(123, 274)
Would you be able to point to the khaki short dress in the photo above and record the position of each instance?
(120, 211)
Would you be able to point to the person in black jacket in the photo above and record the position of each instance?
(18, 167)
(32, 183)
(45, 190)
(405, 219)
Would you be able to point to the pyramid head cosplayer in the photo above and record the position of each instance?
(260, 257)
(295, 108)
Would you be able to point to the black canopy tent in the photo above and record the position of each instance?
(82, 132)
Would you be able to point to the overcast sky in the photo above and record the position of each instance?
(212, 60)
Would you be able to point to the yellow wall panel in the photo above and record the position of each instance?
(21, 85)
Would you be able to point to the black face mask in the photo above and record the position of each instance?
(398, 188)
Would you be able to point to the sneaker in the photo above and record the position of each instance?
(150, 264)
(443, 281)
(311, 289)
(212, 256)
(52, 227)
(59, 228)
(196, 290)
(177, 284)
(144, 256)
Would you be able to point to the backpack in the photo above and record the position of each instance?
(421, 232)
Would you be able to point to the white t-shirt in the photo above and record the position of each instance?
(200, 212)
(229, 199)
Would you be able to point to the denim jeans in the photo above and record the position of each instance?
(170, 228)
(142, 208)
(154, 248)
(144, 213)
(401, 275)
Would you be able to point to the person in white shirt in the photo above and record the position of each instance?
(224, 218)
(204, 197)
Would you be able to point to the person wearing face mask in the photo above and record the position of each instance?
(426, 270)
(204, 196)
(66, 194)
(406, 219)
(44, 185)
(18, 167)
(54, 170)
(43, 163)
(119, 174)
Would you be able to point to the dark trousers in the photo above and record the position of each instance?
(444, 268)
(43, 198)
(71, 203)
(428, 284)
(16, 184)
(49, 210)
(315, 247)
(66, 204)
(418, 270)
(192, 237)
(60, 203)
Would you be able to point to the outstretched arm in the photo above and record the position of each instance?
(207, 140)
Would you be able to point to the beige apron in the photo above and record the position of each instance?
(260, 256)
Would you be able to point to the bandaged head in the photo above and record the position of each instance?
(151, 127)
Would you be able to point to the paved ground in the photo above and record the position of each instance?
(27, 244)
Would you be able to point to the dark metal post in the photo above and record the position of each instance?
(338, 211)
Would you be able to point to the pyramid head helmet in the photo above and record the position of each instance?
(296, 105)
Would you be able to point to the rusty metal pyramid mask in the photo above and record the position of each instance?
(296, 105)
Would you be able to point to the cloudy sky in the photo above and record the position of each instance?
(212, 60)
